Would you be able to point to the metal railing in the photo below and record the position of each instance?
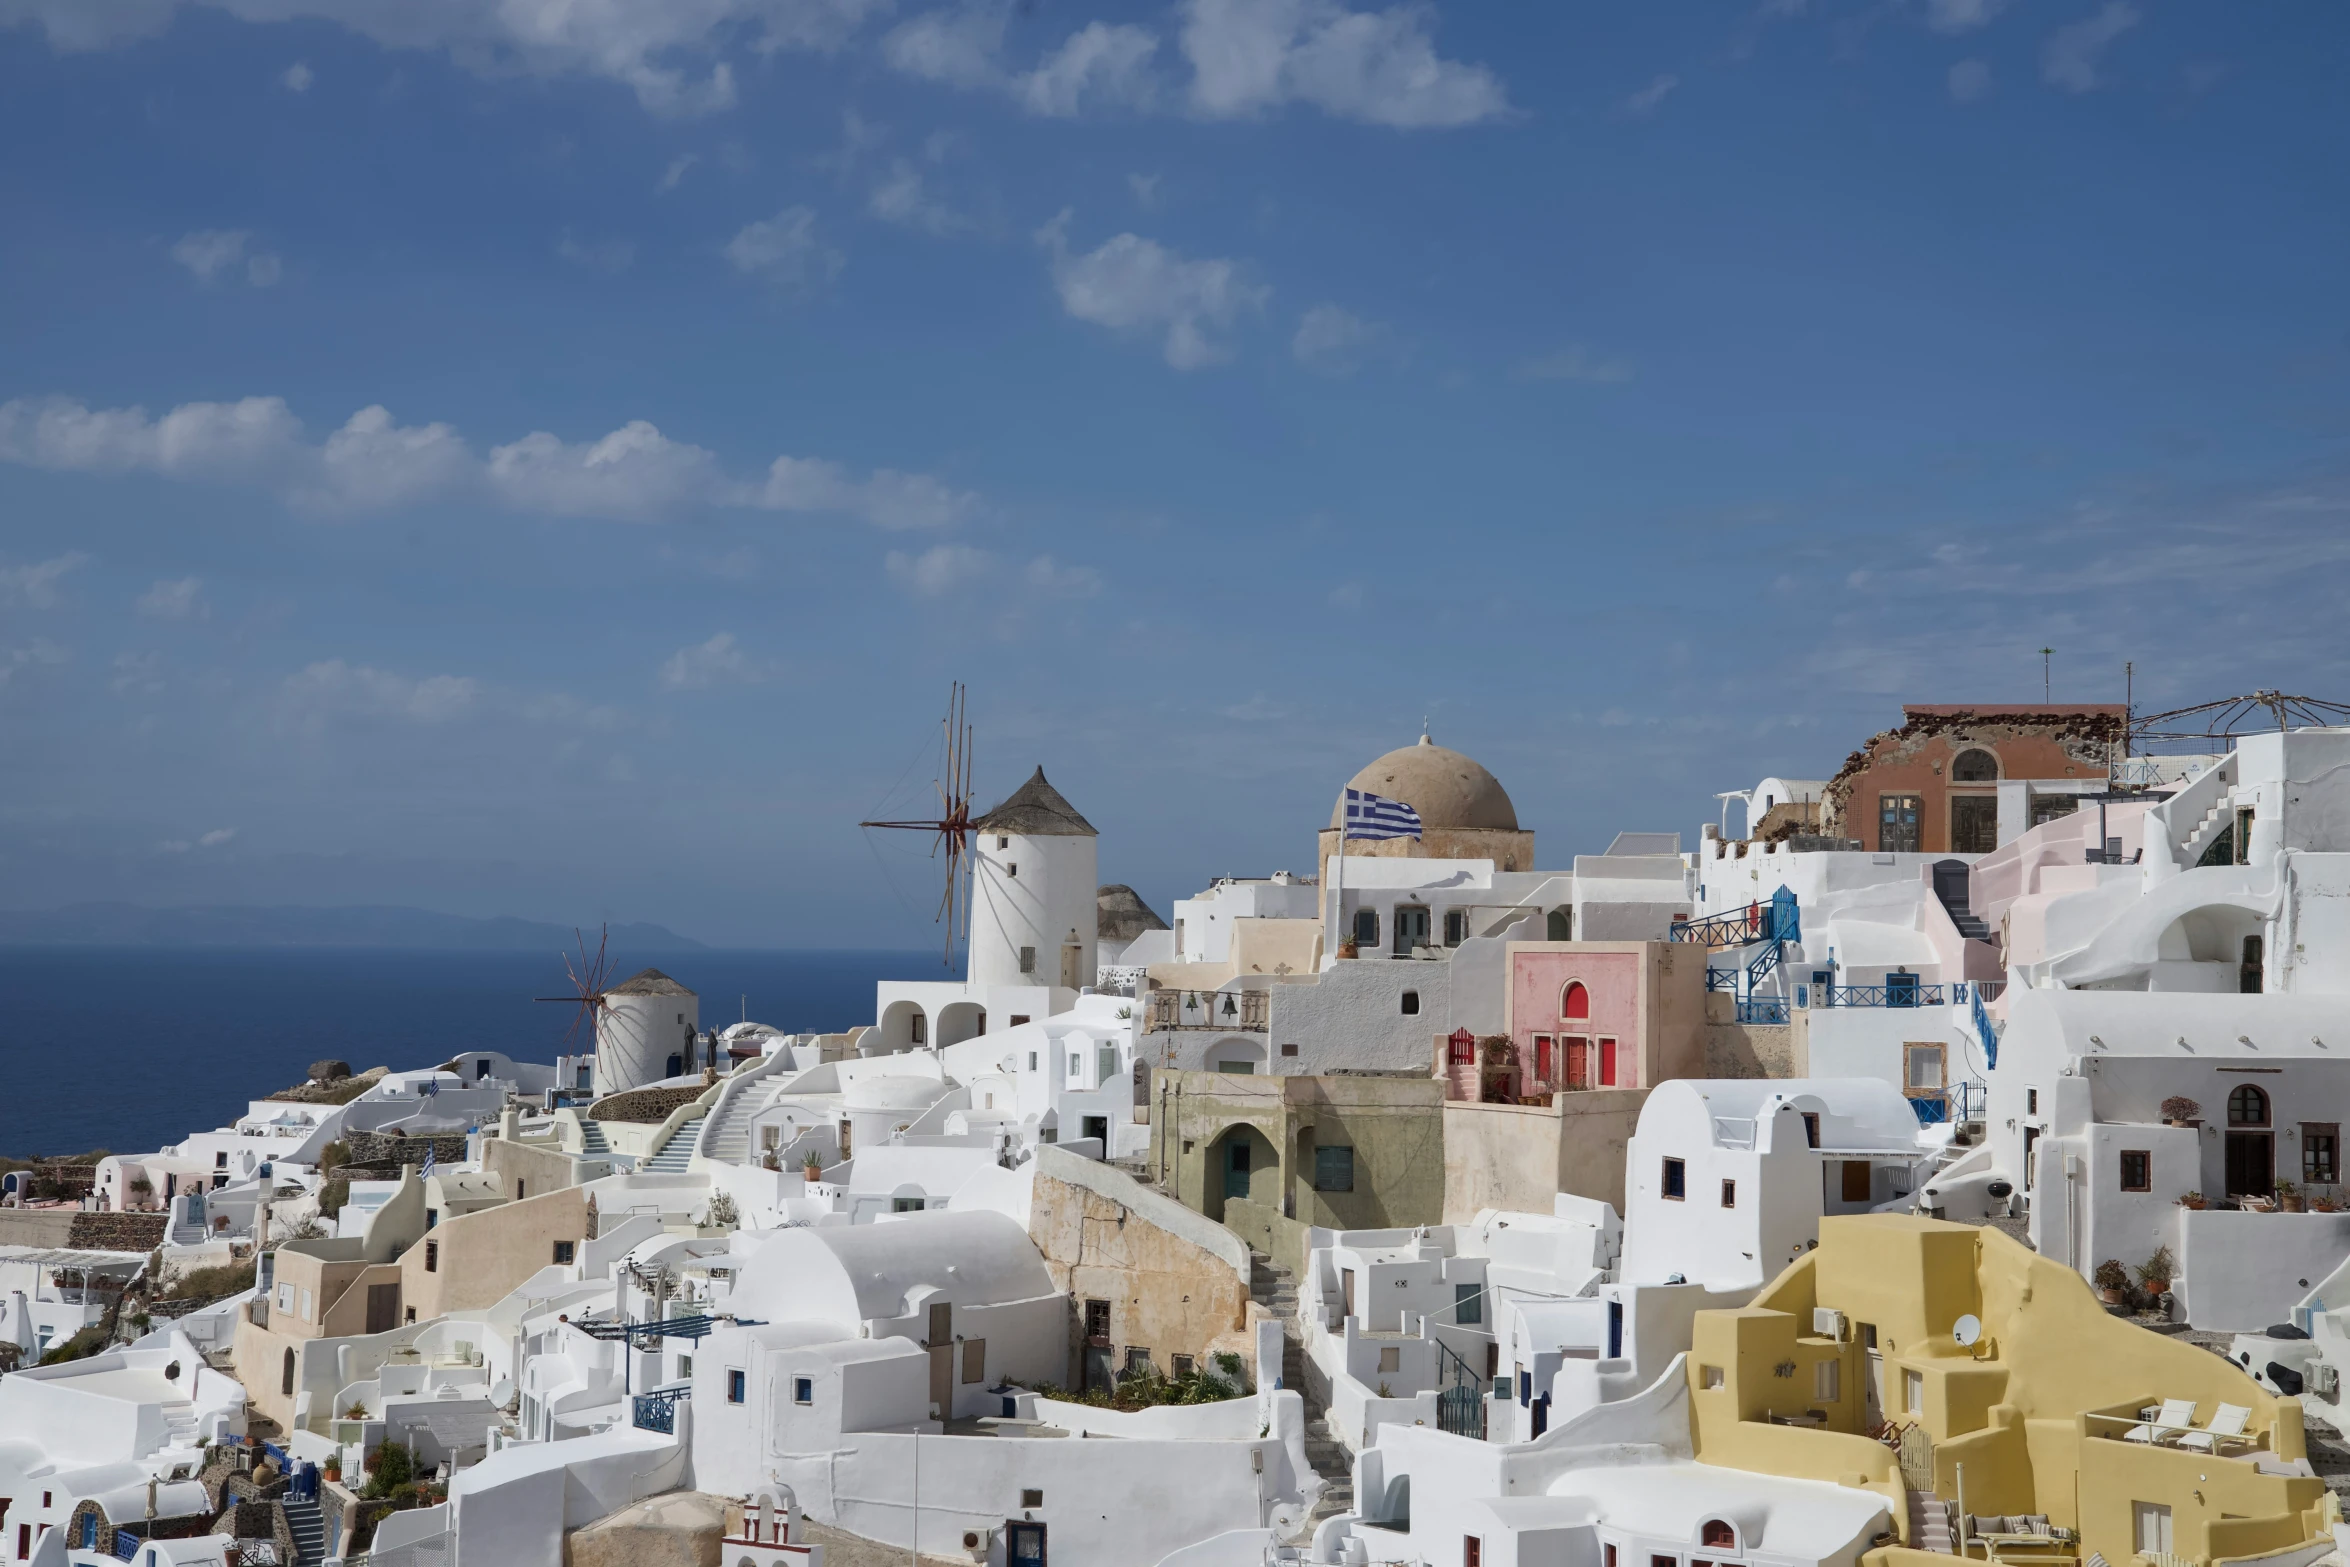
(1893, 993)
(1460, 1399)
(1985, 1031)
(1762, 1009)
(658, 1411)
(1246, 1011)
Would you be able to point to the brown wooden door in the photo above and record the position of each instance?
(1578, 1063)
(942, 1359)
(383, 1307)
(1856, 1180)
(2250, 1170)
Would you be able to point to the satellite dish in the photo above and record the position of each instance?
(1967, 1330)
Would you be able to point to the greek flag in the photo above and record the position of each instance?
(425, 1174)
(1375, 816)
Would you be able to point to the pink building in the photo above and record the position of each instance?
(1605, 1014)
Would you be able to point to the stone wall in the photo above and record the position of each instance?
(1176, 1283)
(381, 1149)
(650, 1106)
(117, 1231)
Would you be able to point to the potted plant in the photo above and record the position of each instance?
(2113, 1281)
(2324, 1204)
(2179, 1110)
(812, 1167)
(2192, 1200)
(2154, 1274)
(2288, 1197)
(1346, 948)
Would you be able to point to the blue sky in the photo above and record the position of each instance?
(559, 472)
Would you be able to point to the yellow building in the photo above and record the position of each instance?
(2046, 1422)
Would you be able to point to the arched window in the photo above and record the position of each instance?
(1975, 766)
(1717, 1535)
(286, 1383)
(2247, 1106)
(1576, 1003)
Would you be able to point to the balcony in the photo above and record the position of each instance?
(1172, 1011)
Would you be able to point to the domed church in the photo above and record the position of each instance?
(1465, 814)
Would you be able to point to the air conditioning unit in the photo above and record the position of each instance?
(2325, 1379)
(978, 1542)
(1827, 1322)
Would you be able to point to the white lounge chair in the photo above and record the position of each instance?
(2227, 1425)
(2176, 1415)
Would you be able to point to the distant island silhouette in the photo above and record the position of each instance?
(292, 925)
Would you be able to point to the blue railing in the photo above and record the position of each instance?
(126, 1545)
(1984, 1031)
(658, 1411)
(1721, 979)
(1762, 1009)
(1776, 920)
(1894, 994)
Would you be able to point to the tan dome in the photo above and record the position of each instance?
(1450, 791)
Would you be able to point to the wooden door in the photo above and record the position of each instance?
(383, 1307)
(1578, 1063)
(1607, 1063)
(2250, 1167)
(1856, 1180)
(1542, 1059)
(942, 1359)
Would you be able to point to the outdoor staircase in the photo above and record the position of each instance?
(179, 1424)
(676, 1154)
(309, 1527)
(2205, 833)
(591, 1138)
(1929, 1524)
(1274, 1288)
(186, 1231)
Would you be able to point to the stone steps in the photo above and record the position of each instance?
(309, 1528)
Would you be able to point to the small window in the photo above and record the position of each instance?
(2137, 1172)
(1468, 1304)
(1575, 1001)
(1411, 1003)
(1456, 926)
(1031, 1060)
(1729, 1194)
(734, 1387)
(1290, 1048)
(1676, 1180)
(2321, 1143)
(1811, 1128)
(1717, 1535)
(1019, 1018)
(432, 1216)
(1711, 1377)
(518, 1191)
(1031, 1498)
(919, 1031)
(906, 1205)
(1826, 1381)
(1366, 927)
(220, 1161)
(1913, 1392)
(803, 1389)
(2031, 1101)
(1975, 766)
(685, 1365)
(411, 1317)
(432, 1256)
(1390, 1357)
(1334, 1168)
(1180, 1365)
(2247, 1106)
(1011, 870)
(1027, 960)
(564, 1252)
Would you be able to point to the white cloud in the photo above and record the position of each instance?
(784, 250)
(634, 474)
(180, 599)
(333, 688)
(1146, 190)
(1575, 364)
(1248, 56)
(372, 463)
(216, 837)
(137, 672)
(719, 661)
(1333, 340)
(298, 77)
(1047, 575)
(1969, 80)
(1132, 284)
(885, 498)
(597, 255)
(937, 570)
(1097, 64)
(905, 198)
(1963, 16)
(1647, 98)
(35, 586)
(43, 653)
(2072, 56)
(669, 55)
(676, 171)
(209, 252)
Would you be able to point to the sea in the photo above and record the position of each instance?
(130, 1049)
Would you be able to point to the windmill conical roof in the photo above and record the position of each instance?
(1124, 915)
(648, 982)
(1036, 810)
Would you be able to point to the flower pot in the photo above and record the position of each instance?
(2289, 1204)
(2113, 1297)
(2158, 1286)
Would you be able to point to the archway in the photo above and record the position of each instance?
(1242, 1165)
(959, 1021)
